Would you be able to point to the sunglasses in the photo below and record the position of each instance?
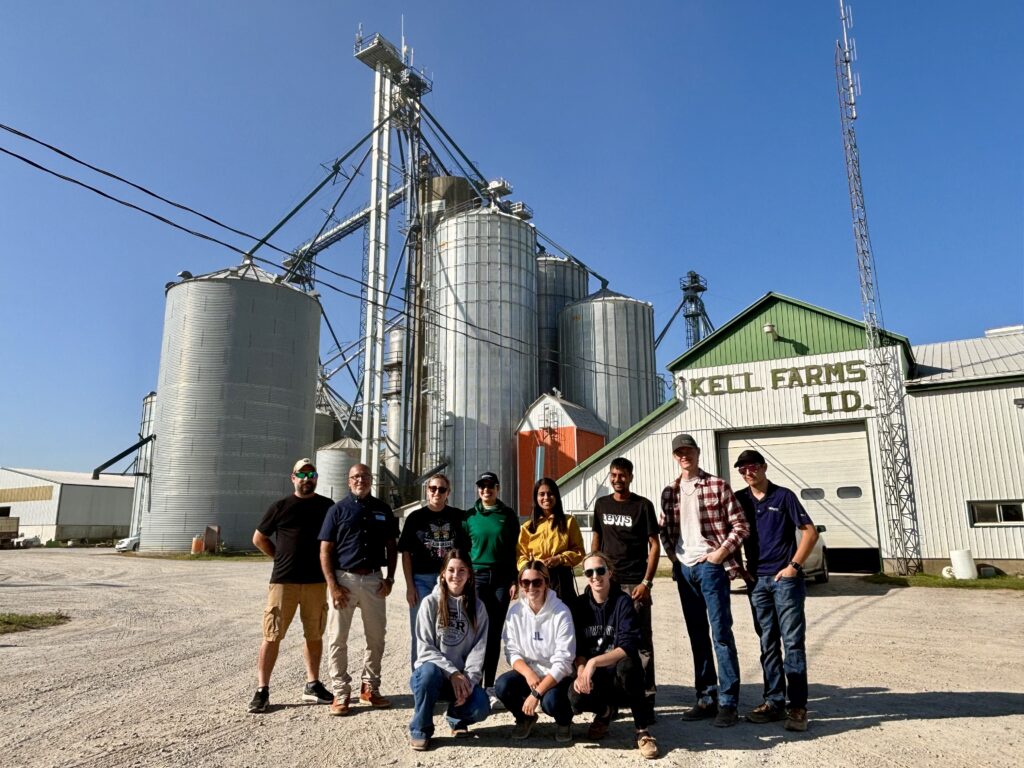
(481, 486)
(599, 571)
(531, 583)
(360, 476)
(749, 469)
(436, 489)
(304, 475)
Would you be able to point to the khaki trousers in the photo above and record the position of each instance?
(362, 594)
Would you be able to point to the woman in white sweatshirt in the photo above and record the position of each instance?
(540, 645)
(451, 639)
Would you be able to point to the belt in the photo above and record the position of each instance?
(361, 571)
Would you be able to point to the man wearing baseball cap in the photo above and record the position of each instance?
(777, 596)
(493, 530)
(296, 582)
(703, 528)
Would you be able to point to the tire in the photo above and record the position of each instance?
(822, 578)
(135, 548)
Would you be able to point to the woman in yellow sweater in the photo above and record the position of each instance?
(551, 537)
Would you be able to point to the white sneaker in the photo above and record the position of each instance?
(493, 698)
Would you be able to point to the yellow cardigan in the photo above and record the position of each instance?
(549, 541)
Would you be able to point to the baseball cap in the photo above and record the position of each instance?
(749, 456)
(303, 463)
(683, 441)
(488, 477)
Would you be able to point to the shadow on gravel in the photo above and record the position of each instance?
(851, 584)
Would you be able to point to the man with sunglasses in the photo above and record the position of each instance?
(296, 582)
(608, 668)
(703, 528)
(358, 538)
(428, 534)
(777, 596)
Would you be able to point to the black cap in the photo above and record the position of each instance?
(749, 456)
(487, 477)
(683, 441)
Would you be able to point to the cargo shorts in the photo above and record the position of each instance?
(283, 599)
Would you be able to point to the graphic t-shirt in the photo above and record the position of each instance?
(296, 523)
(427, 536)
(624, 528)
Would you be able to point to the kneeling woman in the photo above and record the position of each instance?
(451, 639)
(540, 645)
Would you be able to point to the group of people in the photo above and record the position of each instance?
(477, 582)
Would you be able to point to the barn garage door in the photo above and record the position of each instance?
(827, 467)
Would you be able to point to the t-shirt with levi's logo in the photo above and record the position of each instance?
(625, 528)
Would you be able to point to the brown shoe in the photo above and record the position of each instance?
(796, 719)
(339, 707)
(372, 697)
(647, 745)
(599, 728)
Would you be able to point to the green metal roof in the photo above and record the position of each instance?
(611, 448)
(803, 329)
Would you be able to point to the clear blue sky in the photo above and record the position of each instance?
(650, 138)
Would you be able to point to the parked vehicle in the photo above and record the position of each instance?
(24, 542)
(130, 544)
(816, 566)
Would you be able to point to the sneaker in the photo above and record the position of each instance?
(563, 733)
(701, 710)
(647, 745)
(419, 745)
(796, 719)
(316, 693)
(260, 701)
(492, 697)
(371, 696)
(765, 713)
(726, 717)
(339, 707)
(599, 728)
(521, 730)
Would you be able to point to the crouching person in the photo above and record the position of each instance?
(540, 645)
(608, 669)
(451, 641)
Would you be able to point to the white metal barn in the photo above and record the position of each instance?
(67, 505)
(792, 380)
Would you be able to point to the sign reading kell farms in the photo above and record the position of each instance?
(827, 374)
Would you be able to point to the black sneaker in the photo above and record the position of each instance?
(701, 711)
(316, 693)
(766, 713)
(726, 717)
(260, 701)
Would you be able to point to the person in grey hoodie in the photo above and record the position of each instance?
(451, 641)
(540, 644)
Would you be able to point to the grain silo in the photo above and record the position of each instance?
(482, 345)
(560, 281)
(607, 358)
(332, 465)
(235, 405)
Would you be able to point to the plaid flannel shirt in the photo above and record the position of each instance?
(722, 522)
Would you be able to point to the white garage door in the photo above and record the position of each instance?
(827, 467)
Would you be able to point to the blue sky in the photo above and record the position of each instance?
(649, 138)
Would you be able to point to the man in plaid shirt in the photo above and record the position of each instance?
(702, 528)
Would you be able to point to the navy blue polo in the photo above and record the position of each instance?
(360, 530)
(773, 521)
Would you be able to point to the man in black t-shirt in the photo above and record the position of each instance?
(626, 530)
(297, 582)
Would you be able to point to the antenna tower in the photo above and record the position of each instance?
(891, 417)
(698, 324)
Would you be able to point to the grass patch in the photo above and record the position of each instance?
(929, 580)
(22, 622)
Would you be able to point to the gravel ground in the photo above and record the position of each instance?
(157, 666)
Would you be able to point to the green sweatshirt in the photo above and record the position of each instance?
(493, 534)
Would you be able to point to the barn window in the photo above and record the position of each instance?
(996, 512)
(849, 492)
(812, 494)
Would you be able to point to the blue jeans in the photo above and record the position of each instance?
(779, 612)
(424, 583)
(513, 689)
(704, 595)
(429, 685)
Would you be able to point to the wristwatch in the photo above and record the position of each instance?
(536, 694)
(390, 581)
(649, 583)
(794, 564)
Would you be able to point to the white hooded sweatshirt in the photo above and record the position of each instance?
(545, 640)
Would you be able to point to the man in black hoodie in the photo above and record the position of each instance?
(607, 663)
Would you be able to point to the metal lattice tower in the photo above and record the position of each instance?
(698, 325)
(891, 418)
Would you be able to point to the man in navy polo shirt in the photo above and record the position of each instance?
(776, 561)
(358, 537)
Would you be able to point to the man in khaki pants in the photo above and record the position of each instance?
(294, 522)
(358, 537)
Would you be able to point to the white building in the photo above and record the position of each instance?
(67, 505)
(803, 397)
